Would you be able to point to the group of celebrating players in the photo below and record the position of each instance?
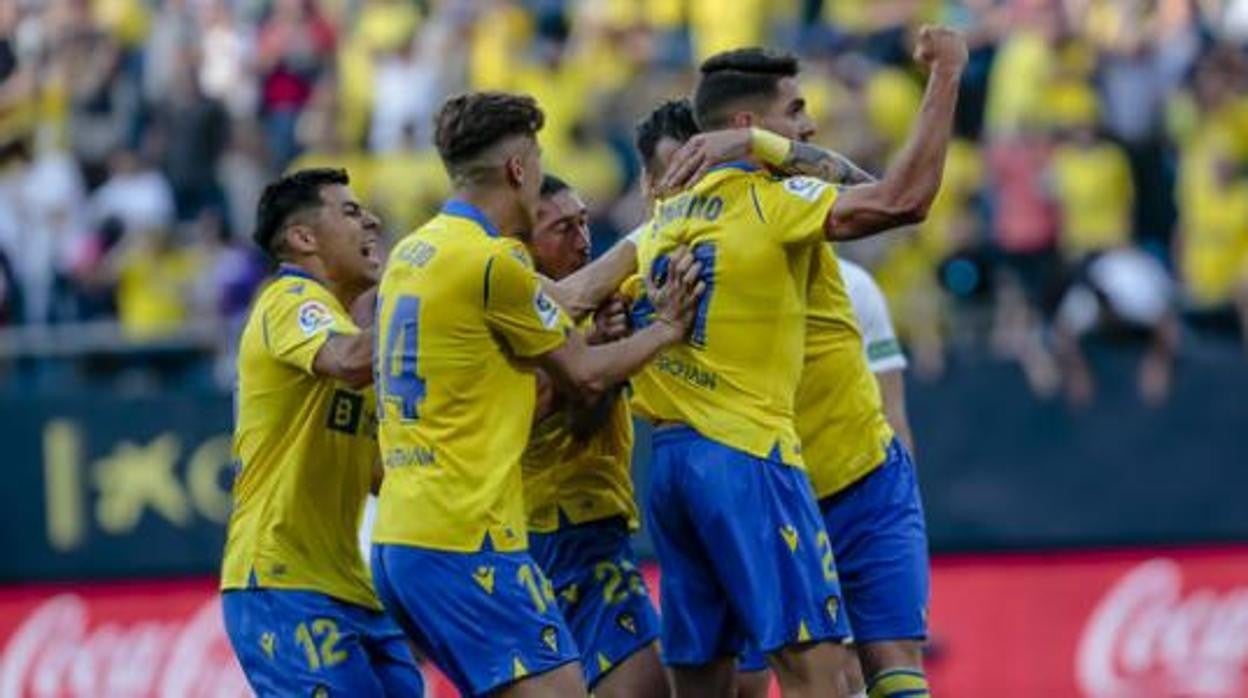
(482, 378)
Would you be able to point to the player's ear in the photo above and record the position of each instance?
(513, 170)
(300, 239)
(743, 119)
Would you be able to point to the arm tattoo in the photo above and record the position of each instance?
(830, 166)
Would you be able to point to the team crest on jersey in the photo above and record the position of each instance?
(484, 577)
(807, 188)
(314, 317)
(626, 621)
(546, 309)
(550, 636)
(833, 607)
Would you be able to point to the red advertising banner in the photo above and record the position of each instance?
(1144, 624)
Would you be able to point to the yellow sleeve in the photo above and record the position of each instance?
(795, 208)
(299, 320)
(517, 308)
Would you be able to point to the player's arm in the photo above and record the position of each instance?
(582, 292)
(905, 192)
(782, 155)
(893, 392)
(348, 357)
(885, 357)
(589, 371)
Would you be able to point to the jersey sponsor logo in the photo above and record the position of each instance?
(416, 455)
(806, 188)
(484, 577)
(688, 372)
(314, 317)
(345, 411)
(546, 309)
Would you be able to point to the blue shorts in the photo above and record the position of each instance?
(486, 619)
(307, 643)
(880, 540)
(744, 555)
(599, 590)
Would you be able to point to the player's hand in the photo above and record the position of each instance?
(610, 321)
(701, 153)
(940, 49)
(677, 299)
(364, 308)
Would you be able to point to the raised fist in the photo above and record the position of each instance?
(940, 48)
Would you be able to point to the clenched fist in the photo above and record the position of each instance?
(940, 48)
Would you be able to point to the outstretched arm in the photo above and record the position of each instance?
(583, 291)
(787, 157)
(904, 194)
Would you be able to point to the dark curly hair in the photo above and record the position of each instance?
(470, 124)
(672, 119)
(733, 77)
(290, 195)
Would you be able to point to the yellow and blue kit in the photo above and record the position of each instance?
(745, 558)
(578, 489)
(299, 608)
(459, 309)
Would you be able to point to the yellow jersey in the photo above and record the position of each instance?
(584, 477)
(1093, 186)
(840, 414)
(735, 378)
(458, 307)
(305, 446)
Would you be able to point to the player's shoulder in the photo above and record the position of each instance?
(293, 288)
(792, 189)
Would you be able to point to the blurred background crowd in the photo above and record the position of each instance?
(1097, 187)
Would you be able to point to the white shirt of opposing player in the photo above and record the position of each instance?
(879, 340)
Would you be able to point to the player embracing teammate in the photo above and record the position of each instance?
(501, 543)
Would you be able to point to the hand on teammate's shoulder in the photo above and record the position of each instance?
(701, 153)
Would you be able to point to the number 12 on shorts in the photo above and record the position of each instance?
(398, 377)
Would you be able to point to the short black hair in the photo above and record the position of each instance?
(552, 185)
(469, 124)
(672, 119)
(731, 77)
(291, 194)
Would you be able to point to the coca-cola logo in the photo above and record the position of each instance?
(57, 651)
(1147, 639)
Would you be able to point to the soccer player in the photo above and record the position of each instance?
(578, 491)
(299, 609)
(461, 316)
(745, 556)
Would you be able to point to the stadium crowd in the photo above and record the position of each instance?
(1099, 179)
